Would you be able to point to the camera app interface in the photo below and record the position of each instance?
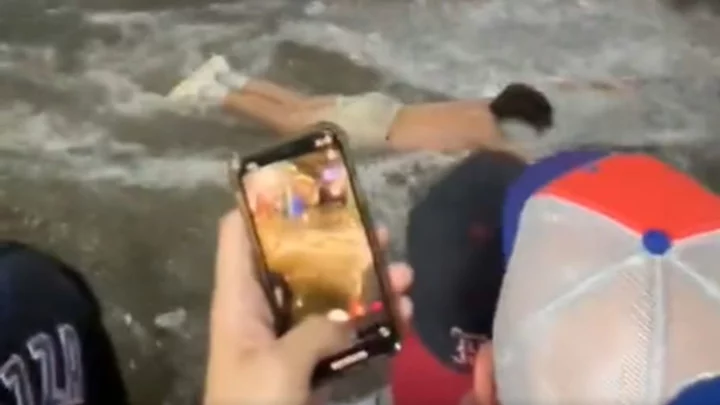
(313, 240)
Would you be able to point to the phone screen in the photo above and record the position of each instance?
(314, 238)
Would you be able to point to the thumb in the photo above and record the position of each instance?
(313, 339)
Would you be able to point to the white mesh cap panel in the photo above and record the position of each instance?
(554, 252)
(586, 315)
(693, 312)
(576, 286)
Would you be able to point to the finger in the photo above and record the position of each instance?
(234, 254)
(313, 339)
(383, 236)
(401, 277)
(405, 307)
(405, 310)
(234, 265)
(484, 376)
(239, 308)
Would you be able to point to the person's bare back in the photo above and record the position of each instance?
(466, 125)
(444, 127)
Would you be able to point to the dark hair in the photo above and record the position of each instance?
(524, 103)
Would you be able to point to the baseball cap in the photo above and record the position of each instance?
(612, 291)
(454, 246)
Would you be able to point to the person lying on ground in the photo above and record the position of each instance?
(372, 120)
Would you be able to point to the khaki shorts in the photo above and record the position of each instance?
(366, 118)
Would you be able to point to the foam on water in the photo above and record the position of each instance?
(464, 49)
(150, 44)
(470, 48)
(86, 151)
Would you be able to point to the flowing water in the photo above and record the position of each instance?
(97, 167)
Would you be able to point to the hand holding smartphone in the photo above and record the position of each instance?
(315, 242)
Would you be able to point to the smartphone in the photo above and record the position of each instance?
(317, 247)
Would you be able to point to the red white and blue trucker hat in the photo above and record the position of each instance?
(611, 293)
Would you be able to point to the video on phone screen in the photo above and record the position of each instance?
(313, 239)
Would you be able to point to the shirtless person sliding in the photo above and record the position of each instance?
(372, 120)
